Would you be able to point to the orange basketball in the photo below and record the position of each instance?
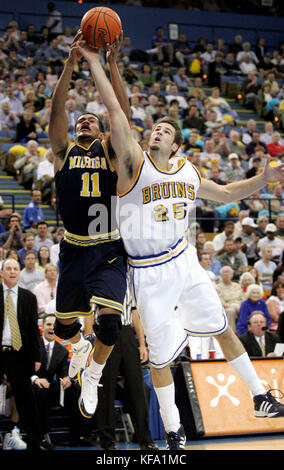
(100, 26)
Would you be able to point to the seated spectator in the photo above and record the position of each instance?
(266, 137)
(250, 88)
(45, 291)
(272, 241)
(232, 259)
(52, 375)
(193, 144)
(173, 94)
(262, 222)
(193, 119)
(30, 276)
(230, 65)
(205, 262)
(275, 148)
(138, 111)
(260, 48)
(96, 106)
(247, 134)
(277, 203)
(253, 302)
(45, 177)
(246, 279)
(43, 257)
(13, 237)
(27, 164)
(161, 47)
(246, 51)
(265, 269)
(233, 172)
(44, 114)
(146, 76)
(197, 86)
(275, 303)
(181, 80)
(236, 45)
(247, 65)
(256, 340)
(55, 56)
(26, 127)
(29, 243)
(33, 212)
(235, 144)
(43, 236)
(215, 266)
(274, 86)
(255, 144)
(256, 161)
(220, 144)
(8, 119)
(16, 106)
(72, 114)
(182, 50)
(238, 225)
(220, 238)
(208, 156)
(249, 239)
(230, 294)
(54, 251)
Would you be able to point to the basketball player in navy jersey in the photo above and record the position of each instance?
(165, 269)
(92, 258)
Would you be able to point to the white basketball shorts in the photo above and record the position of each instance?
(174, 298)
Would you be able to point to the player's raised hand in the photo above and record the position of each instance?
(113, 49)
(273, 174)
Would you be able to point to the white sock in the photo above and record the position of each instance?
(96, 369)
(243, 366)
(79, 344)
(168, 409)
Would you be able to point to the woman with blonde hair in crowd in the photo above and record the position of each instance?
(45, 291)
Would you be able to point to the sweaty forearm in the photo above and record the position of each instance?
(61, 90)
(103, 85)
(119, 89)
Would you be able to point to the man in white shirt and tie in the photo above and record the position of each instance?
(257, 340)
(50, 378)
(20, 348)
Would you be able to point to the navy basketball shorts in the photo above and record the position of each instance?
(90, 275)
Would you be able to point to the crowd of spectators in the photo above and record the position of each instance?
(244, 253)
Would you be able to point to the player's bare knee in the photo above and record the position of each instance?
(109, 326)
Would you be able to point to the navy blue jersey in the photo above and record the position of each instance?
(86, 194)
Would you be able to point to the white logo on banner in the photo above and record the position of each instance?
(222, 389)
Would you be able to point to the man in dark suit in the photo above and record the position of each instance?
(257, 340)
(52, 375)
(20, 347)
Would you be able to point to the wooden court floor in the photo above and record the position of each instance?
(270, 442)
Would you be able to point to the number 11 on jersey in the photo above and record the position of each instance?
(85, 191)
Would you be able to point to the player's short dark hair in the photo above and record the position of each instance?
(101, 124)
(178, 139)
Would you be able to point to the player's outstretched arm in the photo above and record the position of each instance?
(58, 124)
(115, 77)
(241, 189)
(125, 146)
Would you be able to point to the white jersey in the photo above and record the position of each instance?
(153, 214)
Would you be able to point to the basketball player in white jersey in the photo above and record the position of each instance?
(155, 196)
